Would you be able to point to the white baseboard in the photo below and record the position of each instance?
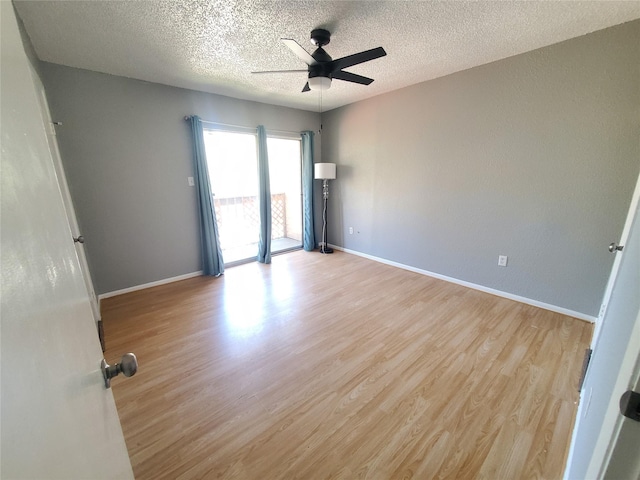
(102, 296)
(492, 291)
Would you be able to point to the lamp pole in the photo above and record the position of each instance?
(325, 195)
(325, 172)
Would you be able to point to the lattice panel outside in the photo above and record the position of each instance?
(278, 216)
(239, 219)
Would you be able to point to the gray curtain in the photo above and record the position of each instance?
(212, 263)
(264, 194)
(308, 237)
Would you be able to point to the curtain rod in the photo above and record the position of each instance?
(188, 117)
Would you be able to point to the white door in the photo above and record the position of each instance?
(621, 435)
(625, 449)
(66, 195)
(600, 429)
(58, 420)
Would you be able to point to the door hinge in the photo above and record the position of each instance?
(585, 366)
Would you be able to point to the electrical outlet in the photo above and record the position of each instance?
(350, 230)
(190, 181)
(502, 260)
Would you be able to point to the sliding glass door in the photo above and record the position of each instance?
(233, 172)
(286, 193)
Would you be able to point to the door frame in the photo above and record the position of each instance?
(624, 236)
(52, 140)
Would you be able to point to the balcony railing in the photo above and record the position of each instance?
(239, 219)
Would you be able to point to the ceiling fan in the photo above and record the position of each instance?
(322, 68)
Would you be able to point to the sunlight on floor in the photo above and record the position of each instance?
(243, 252)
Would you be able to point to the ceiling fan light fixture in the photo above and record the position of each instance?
(322, 68)
(319, 83)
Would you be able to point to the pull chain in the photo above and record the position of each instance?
(320, 108)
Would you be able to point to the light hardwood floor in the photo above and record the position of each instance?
(334, 366)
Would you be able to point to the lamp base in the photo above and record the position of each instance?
(324, 249)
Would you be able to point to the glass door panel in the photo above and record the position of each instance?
(232, 162)
(286, 193)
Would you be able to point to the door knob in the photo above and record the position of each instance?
(128, 366)
(630, 405)
(78, 239)
(615, 247)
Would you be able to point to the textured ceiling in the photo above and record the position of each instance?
(213, 45)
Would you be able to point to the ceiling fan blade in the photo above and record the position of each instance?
(282, 71)
(351, 77)
(306, 88)
(356, 58)
(300, 52)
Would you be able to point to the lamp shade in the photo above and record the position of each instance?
(324, 171)
(319, 83)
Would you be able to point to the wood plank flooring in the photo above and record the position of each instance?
(334, 366)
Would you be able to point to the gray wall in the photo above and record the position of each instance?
(534, 157)
(127, 154)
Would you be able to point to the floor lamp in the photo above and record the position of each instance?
(325, 172)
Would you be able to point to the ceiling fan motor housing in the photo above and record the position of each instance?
(322, 68)
(320, 37)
